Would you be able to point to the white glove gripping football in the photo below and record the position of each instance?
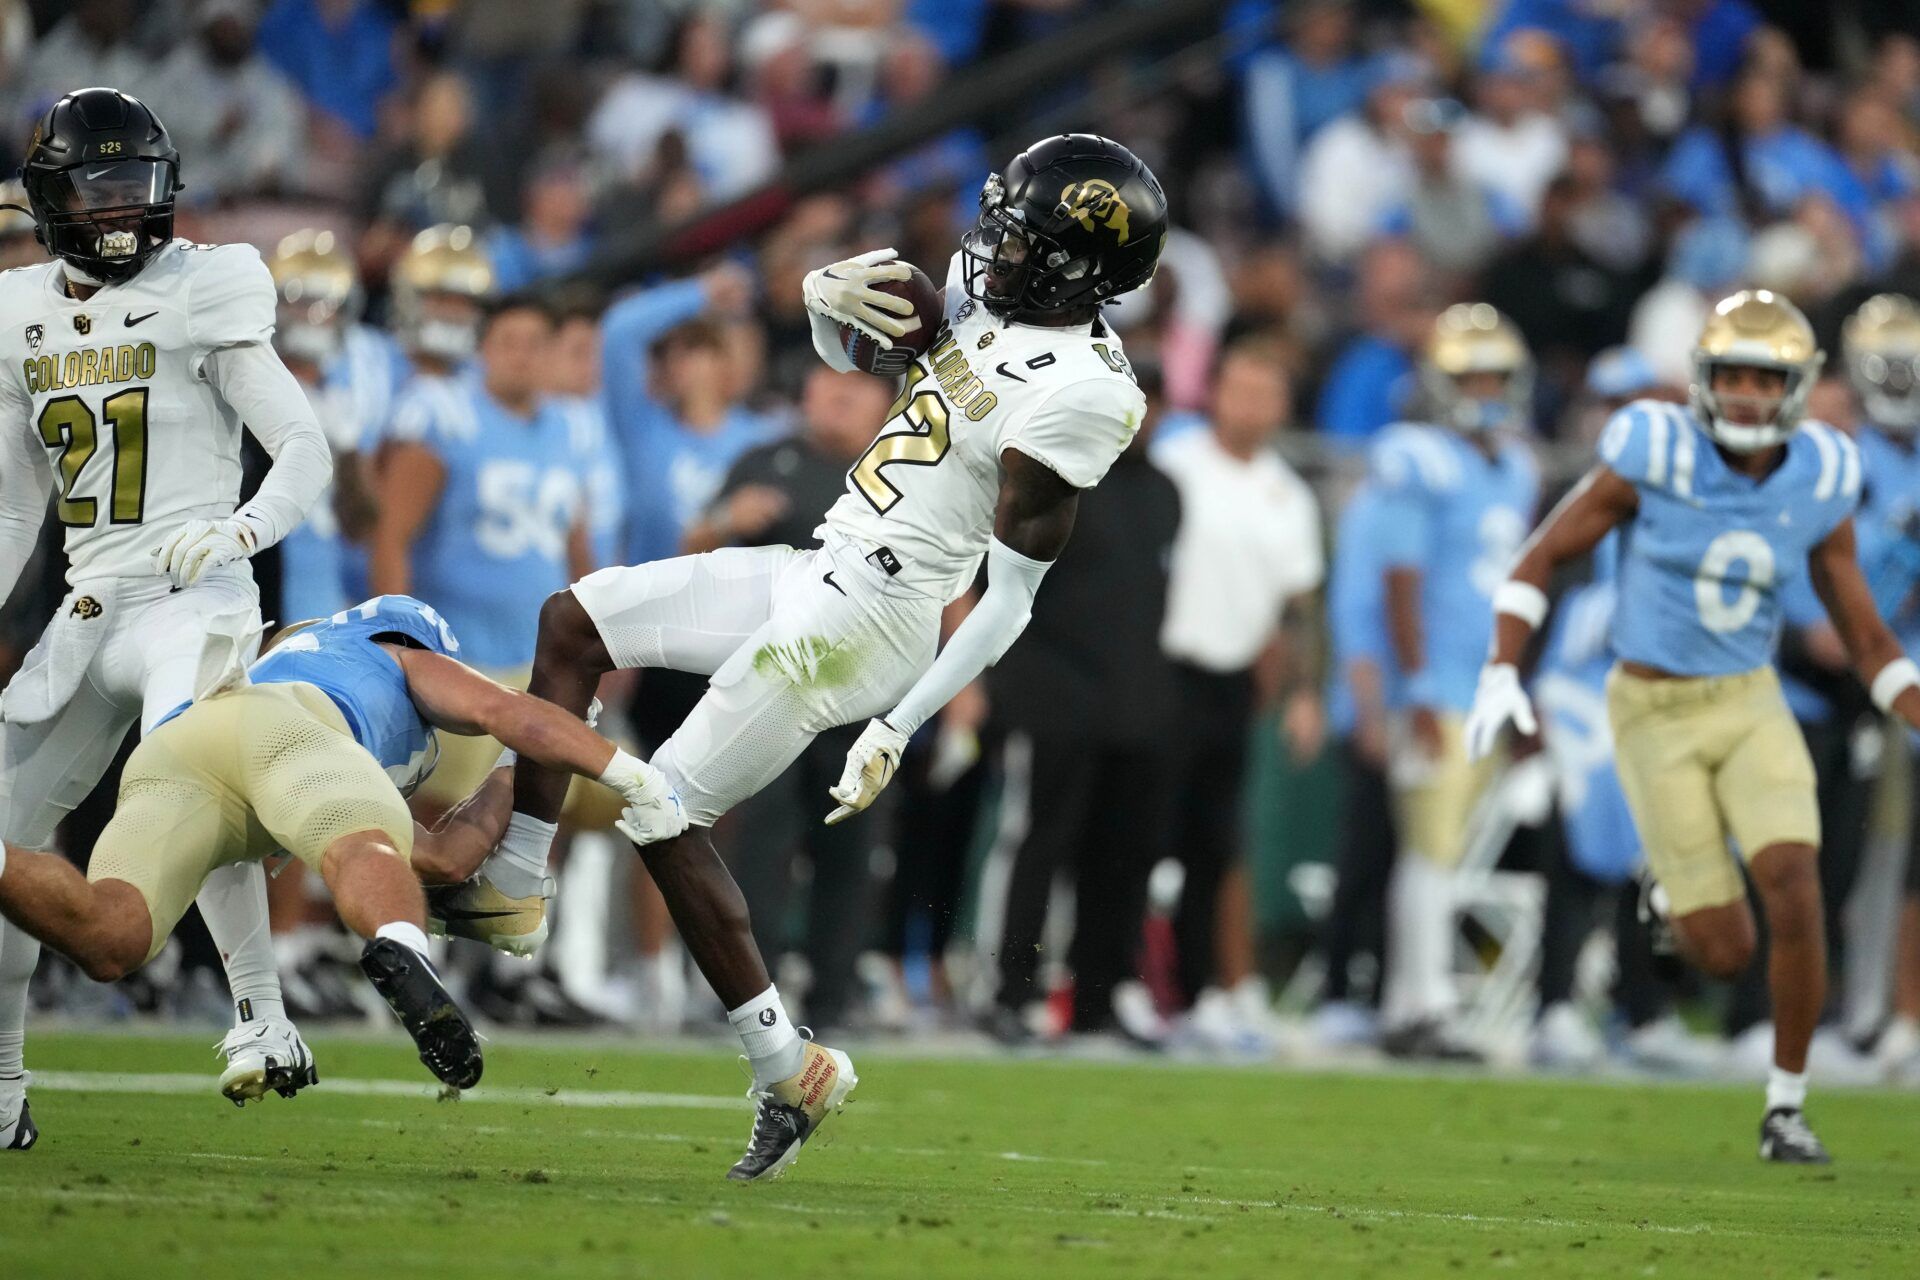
(654, 812)
(1497, 700)
(870, 767)
(843, 293)
(199, 545)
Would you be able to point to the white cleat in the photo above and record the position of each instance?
(1563, 1040)
(265, 1054)
(17, 1130)
(790, 1112)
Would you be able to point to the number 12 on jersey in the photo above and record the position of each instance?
(69, 425)
(924, 442)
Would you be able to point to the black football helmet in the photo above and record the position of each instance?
(1075, 220)
(100, 177)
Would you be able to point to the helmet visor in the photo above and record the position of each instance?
(113, 184)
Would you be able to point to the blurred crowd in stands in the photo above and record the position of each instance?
(440, 185)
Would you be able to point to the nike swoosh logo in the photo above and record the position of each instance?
(96, 174)
(1002, 370)
(461, 913)
(827, 578)
(133, 320)
(829, 275)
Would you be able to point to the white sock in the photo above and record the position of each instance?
(19, 953)
(407, 935)
(1418, 981)
(233, 902)
(518, 868)
(774, 1048)
(1786, 1089)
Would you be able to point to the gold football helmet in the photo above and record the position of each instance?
(1755, 328)
(319, 290)
(1474, 338)
(1882, 342)
(440, 286)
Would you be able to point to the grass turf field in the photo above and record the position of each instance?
(590, 1160)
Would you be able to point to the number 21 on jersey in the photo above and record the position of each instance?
(70, 425)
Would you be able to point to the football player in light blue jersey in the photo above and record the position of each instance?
(1458, 493)
(307, 751)
(574, 384)
(481, 511)
(1358, 696)
(351, 373)
(1882, 342)
(1717, 504)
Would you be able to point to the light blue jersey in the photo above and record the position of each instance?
(1458, 516)
(320, 571)
(342, 658)
(1888, 526)
(1356, 604)
(1570, 690)
(599, 456)
(1705, 559)
(495, 546)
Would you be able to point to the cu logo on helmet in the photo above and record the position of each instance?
(1095, 201)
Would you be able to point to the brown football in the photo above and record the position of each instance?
(928, 312)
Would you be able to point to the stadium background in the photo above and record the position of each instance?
(1337, 171)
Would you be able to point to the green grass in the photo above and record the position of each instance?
(940, 1168)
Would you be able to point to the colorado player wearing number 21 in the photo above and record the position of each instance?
(1023, 400)
(127, 366)
(1718, 505)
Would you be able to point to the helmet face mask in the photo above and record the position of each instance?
(1075, 221)
(1754, 329)
(1882, 342)
(1476, 374)
(100, 178)
(441, 286)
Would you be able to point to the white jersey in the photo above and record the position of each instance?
(113, 393)
(927, 488)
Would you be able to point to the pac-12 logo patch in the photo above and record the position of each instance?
(36, 333)
(87, 607)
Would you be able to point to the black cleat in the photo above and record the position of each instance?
(1428, 1041)
(1786, 1139)
(25, 1132)
(407, 982)
(788, 1113)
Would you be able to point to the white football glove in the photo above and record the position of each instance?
(654, 812)
(870, 767)
(200, 545)
(1498, 700)
(843, 293)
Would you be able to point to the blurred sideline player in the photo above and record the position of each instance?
(1718, 503)
(1023, 401)
(1882, 345)
(350, 372)
(1457, 493)
(130, 364)
(307, 751)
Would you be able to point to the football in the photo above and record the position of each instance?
(869, 356)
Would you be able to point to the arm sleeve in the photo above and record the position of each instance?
(1080, 429)
(977, 643)
(826, 342)
(274, 407)
(25, 478)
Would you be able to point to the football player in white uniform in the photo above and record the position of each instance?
(127, 366)
(1024, 400)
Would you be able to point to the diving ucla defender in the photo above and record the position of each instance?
(1457, 492)
(1718, 503)
(307, 751)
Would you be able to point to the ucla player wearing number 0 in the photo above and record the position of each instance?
(1718, 504)
(1023, 400)
(127, 366)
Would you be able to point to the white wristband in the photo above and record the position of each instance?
(1523, 600)
(1894, 679)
